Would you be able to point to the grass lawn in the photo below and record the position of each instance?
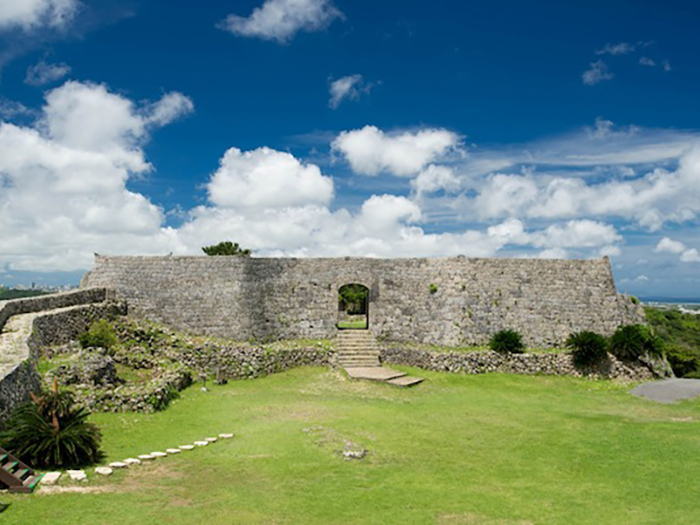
(357, 324)
(488, 449)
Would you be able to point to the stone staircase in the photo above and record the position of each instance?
(358, 354)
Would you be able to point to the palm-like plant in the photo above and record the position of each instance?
(50, 432)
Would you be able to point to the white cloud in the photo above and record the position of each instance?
(623, 48)
(646, 61)
(281, 20)
(435, 178)
(43, 73)
(370, 151)
(169, 108)
(666, 66)
(691, 255)
(350, 87)
(264, 179)
(576, 234)
(30, 14)
(669, 245)
(64, 183)
(11, 108)
(598, 72)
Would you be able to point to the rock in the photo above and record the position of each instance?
(186, 447)
(104, 471)
(132, 461)
(158, 454)
(146, 457)
(119, 464)
(50, 478)
(226, 436)
(212, 440)
(173, 450)
(77, 475)
(201, 443)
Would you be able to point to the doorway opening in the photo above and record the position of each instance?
(353, 307)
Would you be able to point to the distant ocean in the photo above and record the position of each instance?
(688, 305)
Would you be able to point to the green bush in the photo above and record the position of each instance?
(101, 334)
(680, 333)
(632, 341)
(587, 348)
(433, 288)
(507, 342)
(51, 432)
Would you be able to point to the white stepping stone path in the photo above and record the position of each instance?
(50, 478)
(173, 450)
(186, 447)
(119, 464)
(104, 471)
(212, 440)
(226, 436)
(201, 443)
(146, 457)
(132, 461)
(77, 475)
(158, 454)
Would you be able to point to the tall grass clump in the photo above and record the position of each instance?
(633, 341)
(507, 342)
(587, 348)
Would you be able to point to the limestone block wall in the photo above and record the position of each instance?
(450, 301)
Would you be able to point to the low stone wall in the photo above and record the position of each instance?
(42, 303)
(15, 388)
(560, 364)
(65, 325)
(240, 362)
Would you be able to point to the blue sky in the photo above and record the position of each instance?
(328, 128)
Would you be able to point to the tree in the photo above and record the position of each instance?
(226, 248)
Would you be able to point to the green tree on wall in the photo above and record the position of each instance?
(226, 248)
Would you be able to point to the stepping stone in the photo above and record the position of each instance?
(201, 443)
(186, 447)
(212, 440)
(226, 436)
(104, 471)
(377, 373)
(158, 454)
(405, 381)
(50, 478)
(132, 461)
(146, 457)
(119, 464)
(77, 475)
(173, 450)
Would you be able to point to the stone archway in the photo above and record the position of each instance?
(353, 307)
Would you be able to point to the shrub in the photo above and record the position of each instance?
(507, 342)
(635, 340)
(100, 334)
(433, 288)
(52, 432)
(587, 348)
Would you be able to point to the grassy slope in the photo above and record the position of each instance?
(489, 449)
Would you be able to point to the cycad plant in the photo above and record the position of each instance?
(50, 431)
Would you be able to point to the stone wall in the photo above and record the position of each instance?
(452, 301)
(28, 324)
(560, 364)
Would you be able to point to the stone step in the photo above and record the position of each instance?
(358, 362)
(359, 352)
(373, 373)
(404, 381)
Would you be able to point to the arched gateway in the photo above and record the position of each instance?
(353, 307)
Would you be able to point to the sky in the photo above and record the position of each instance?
(310, 128)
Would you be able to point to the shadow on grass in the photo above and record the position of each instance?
(4, 507)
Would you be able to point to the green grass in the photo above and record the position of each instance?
(489, 449)
(356, 324)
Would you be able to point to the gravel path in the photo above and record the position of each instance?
(668, 390)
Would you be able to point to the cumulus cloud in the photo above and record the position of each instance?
(64, 192)
(646, 61)
(597, 73)
(265, 178)
(43, 73)
(691, 255)
(435, 178)
(31, 14)
(669, 245)
(281, 20)
(370, 151)
(350, 87)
